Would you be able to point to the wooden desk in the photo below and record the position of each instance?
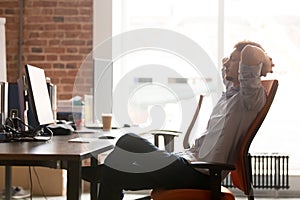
(56, 153)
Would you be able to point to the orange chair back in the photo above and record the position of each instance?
(240, 176)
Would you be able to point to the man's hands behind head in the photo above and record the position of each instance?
(253, 56)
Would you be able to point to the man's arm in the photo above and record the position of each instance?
(225, 82)
(251, 67)
(253, 56)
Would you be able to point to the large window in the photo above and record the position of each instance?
(277, 29)
(274, 24)
(199, 23)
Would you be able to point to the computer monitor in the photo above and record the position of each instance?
(38, 96)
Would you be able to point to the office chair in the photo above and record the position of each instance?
(241, 174)
(169, 136)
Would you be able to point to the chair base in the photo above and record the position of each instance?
(189, 194)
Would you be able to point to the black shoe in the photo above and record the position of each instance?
(91, 173)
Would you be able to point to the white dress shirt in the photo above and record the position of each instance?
(230, 119)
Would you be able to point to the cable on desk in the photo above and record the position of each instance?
(11, 130)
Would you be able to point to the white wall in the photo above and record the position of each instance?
(102, 31)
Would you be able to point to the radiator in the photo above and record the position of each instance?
(269, 171)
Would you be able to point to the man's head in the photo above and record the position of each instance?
(232, 63)
(241, 45)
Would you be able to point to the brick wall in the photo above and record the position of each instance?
(57, 36)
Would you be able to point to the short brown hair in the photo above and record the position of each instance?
(240, 45)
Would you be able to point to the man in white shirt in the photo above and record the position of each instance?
(137, 164)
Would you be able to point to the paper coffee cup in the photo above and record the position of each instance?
(106, 121)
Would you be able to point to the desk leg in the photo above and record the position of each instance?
(74, 180)
(94, 186)
(7, 182)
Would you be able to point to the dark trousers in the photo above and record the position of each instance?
(137, 164)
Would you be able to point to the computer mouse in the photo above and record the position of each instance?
(126, 125)
(106, 137)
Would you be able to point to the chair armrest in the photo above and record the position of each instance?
(213, 165)
(169, 133)
(168, 136)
